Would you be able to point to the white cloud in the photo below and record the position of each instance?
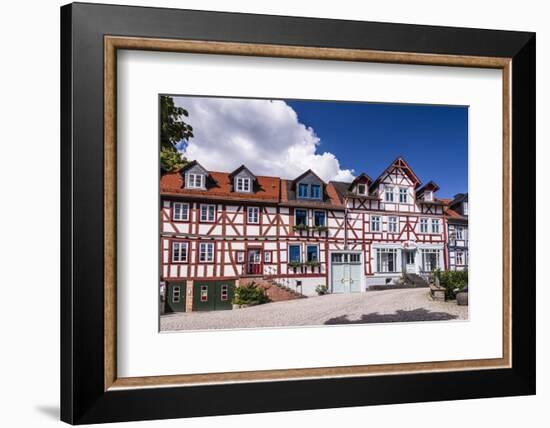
(264, 135)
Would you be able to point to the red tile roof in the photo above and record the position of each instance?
(268, 188)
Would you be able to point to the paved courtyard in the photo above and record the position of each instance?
(370, 307)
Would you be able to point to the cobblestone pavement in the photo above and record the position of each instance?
(370, 307)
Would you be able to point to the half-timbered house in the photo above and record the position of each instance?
(457, 224)
(220, 229)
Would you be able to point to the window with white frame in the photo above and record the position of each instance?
(294, 253)
(403, 199)
(386, 260)
(267, 256)
(435, 225)
(312, 253)
(428, 195)
(253, 215)
(300, 217)
(179, 252)
(465, 208)
(430, 260)
(388, 192)
(375, 223)
(423, 225)
(176, 290)
(392, 224)
(240, 256)
(181, 211)
(208, 212)
(361, 189)
(243, 184)
(206, 252)
(319, 218)
(224, 292)
(459, 233)
(195, 181)
(459, 258)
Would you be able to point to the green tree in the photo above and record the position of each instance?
(173, 129)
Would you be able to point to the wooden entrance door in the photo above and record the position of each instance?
(254, 261)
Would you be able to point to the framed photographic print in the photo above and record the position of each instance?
(273, 213)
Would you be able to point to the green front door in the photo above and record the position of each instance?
(175, 297)
(213, 295)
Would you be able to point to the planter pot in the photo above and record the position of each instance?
(462, 298)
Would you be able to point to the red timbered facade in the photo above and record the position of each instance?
(226, 227)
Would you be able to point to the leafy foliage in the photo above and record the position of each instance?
(173, 129)
(250, 294)
(321, 289)
(453, 281)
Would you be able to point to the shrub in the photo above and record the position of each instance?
(312, 263)
(250, 294)
(453, 281)
(321, 289)
(320, 228)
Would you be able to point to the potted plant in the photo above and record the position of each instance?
(320, 228)
(321, 289)
(294, 265)
(299, 227)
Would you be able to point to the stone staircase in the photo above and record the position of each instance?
(276, 292)
(413, 280)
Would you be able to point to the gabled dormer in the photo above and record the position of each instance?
(309, 186)
(360, 186)
(460, 204)
(195, 176)
(242, 180)
(427, 192)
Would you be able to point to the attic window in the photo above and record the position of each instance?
(361, 189)
(242, 184)
(428, 195)
(195, 181)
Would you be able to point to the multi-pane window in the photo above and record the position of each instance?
(301, 217)
(459, 233)
(302, 190)
(312, 253)
(179, 252)
(253, 215)
(430, 260)
(176, 294)
(224, 292)
(195, 181)
(459, 258)
(206, 252)
(243, 184)
(388, 192)
(267, 256)
(319, 218)
(465, 208)
(294, 253)
(403, 195)
(315, 191)
(204, 293)
(375, 223)
(208, 212)
(423, 225)
(181, 211)
(435, 225)
(392, 224)
(386, 260)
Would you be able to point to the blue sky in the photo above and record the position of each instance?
(366, 137)
(338, 140)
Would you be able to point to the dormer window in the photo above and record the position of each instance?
(195, 181)
(303, 190)
(243, 184)
(315, 191)
(465, 208)
(361, 189)
(428, 195)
